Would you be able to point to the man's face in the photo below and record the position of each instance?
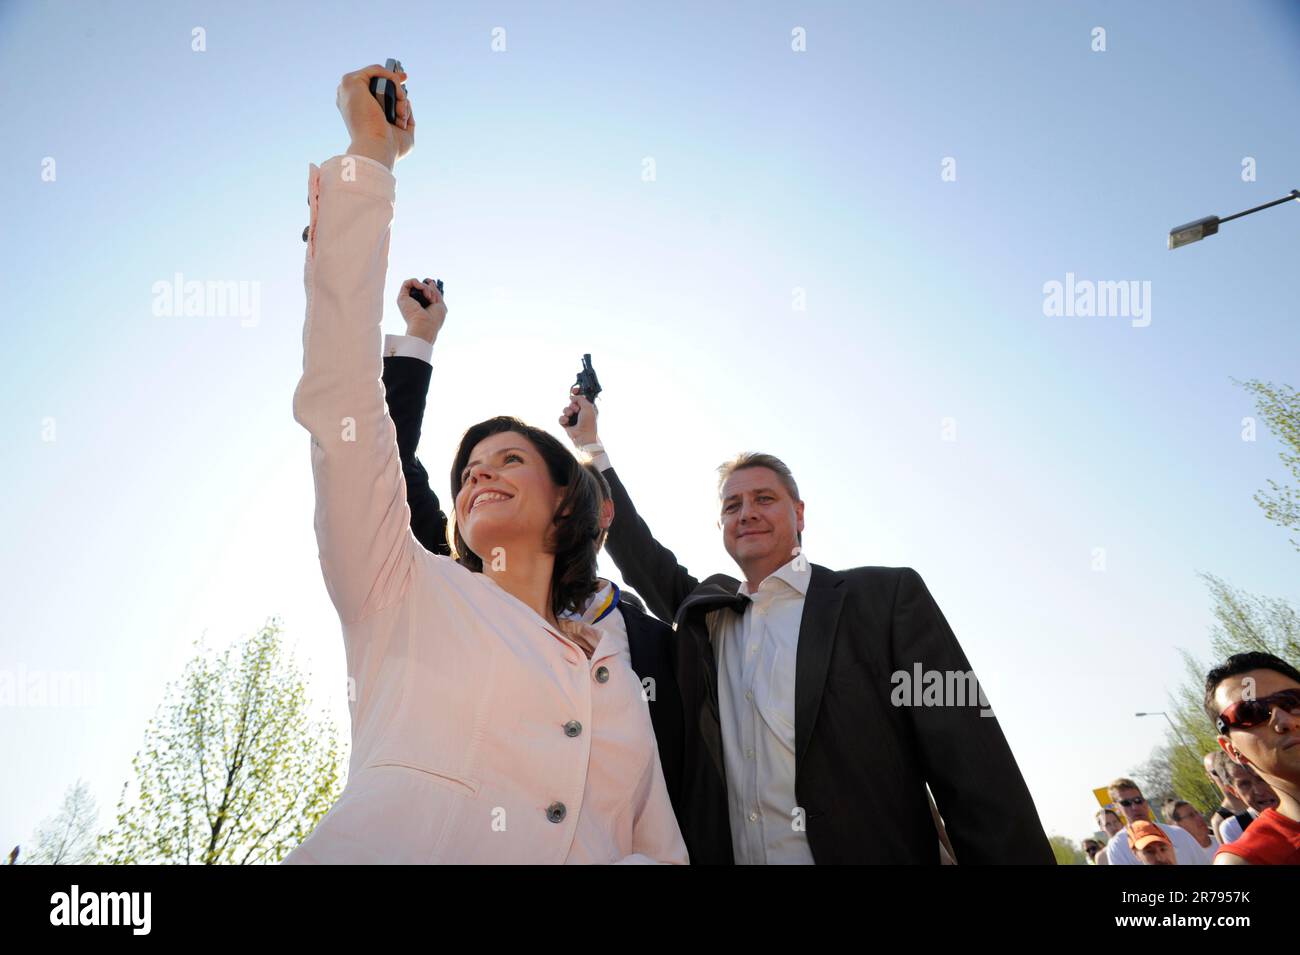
(1254, 792)
(1272, 747)
(1188, 818)
(760, 521)
(1137, 805)
(1157, 852)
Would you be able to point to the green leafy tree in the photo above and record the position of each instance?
(1279, 406)
(234, 770)
(1066, 852)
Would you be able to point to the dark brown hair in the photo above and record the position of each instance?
(575, 526)
(1236, 665)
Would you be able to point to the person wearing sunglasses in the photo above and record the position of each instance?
(1128, 798)
(1092, 848)
(1254, 701)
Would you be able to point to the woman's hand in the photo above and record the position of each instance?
(372, 134)
(584, 432)
(420, 321)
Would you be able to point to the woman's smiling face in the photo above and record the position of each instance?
(506, 495)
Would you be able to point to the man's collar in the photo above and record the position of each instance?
(796, 572)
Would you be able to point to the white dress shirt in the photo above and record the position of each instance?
(756, 668)
(756, 679)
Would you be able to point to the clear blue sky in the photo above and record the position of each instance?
(176, 497)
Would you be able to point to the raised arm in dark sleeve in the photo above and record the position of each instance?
(646, 565)
(986, 806)
(406, 386)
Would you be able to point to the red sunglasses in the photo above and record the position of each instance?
(1247, 713)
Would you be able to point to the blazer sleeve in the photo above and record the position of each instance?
(647, 566)
(986, 806)
(406, 389)
(367, 553)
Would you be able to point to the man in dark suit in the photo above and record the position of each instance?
(407, 373)
(819, 703)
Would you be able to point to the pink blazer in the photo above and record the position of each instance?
(479, 733)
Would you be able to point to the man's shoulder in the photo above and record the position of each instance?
(1278, 821)
(872, 570)
(872, 578)
(718, 582)
(1118, 851)
(1181, 835)
(635, 613)
(1265, 842)
(1272, 826)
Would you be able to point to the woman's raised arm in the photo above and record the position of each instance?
(362, 522)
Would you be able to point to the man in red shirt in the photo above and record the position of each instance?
(1254, 699)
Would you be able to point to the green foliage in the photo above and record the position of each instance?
(1066, 852)
(233, 769)
(1279, 406)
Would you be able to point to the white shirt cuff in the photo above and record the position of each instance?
(408, 346)
(601, 460)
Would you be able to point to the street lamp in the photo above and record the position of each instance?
(1198, 230)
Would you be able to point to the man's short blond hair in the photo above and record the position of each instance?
(757, 459)
(1123, 783)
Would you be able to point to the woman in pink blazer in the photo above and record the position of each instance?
(484, 728)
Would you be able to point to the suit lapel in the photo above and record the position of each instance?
(821, 615)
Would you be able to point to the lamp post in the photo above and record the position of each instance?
(1198, 230)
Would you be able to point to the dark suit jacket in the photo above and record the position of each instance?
(406, 386)
(653, 651)
(862, 763)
